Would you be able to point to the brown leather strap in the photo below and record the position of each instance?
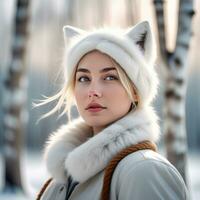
(105, 193)
(43, 188)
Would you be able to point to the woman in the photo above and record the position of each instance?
(109, 75)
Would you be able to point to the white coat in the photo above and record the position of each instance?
(76, 160)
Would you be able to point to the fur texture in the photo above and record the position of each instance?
(73, 150)
(133, 49)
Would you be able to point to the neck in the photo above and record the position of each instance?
(98, 129)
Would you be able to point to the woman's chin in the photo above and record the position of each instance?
(96, 123)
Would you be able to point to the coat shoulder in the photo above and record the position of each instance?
(148, 175)
(144, 159)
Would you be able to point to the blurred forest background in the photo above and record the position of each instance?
(44, 51)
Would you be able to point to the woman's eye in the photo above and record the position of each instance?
(83, 79)
(111, 78)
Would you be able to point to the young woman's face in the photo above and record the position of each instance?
(100, 97)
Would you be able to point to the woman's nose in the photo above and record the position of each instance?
(94, 93)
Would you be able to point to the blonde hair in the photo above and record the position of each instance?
(125, 80)
(65, 96)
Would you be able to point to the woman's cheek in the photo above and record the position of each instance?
(81, 94)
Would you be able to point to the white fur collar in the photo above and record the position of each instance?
(73, 150)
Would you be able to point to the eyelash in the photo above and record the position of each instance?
(79, 79)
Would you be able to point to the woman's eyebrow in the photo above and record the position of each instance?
(107, 69)
(83, 70)
(101, 71)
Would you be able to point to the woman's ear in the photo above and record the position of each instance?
(135, 97)
(141, 35)
(70, 32)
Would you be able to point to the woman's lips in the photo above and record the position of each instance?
(95, 107)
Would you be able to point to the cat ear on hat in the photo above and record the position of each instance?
(141, 35)
(70, 32)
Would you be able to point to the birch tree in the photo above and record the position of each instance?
(176, 82)
(15, 115)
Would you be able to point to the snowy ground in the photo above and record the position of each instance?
(34, 174)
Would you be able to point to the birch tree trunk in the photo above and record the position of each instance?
(15, 115)
(176, 82)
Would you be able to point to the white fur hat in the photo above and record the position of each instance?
(133, 49)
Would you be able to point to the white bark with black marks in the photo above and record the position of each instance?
(176, 82)
(15, 114)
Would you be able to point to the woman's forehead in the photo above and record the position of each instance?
(95, 58)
